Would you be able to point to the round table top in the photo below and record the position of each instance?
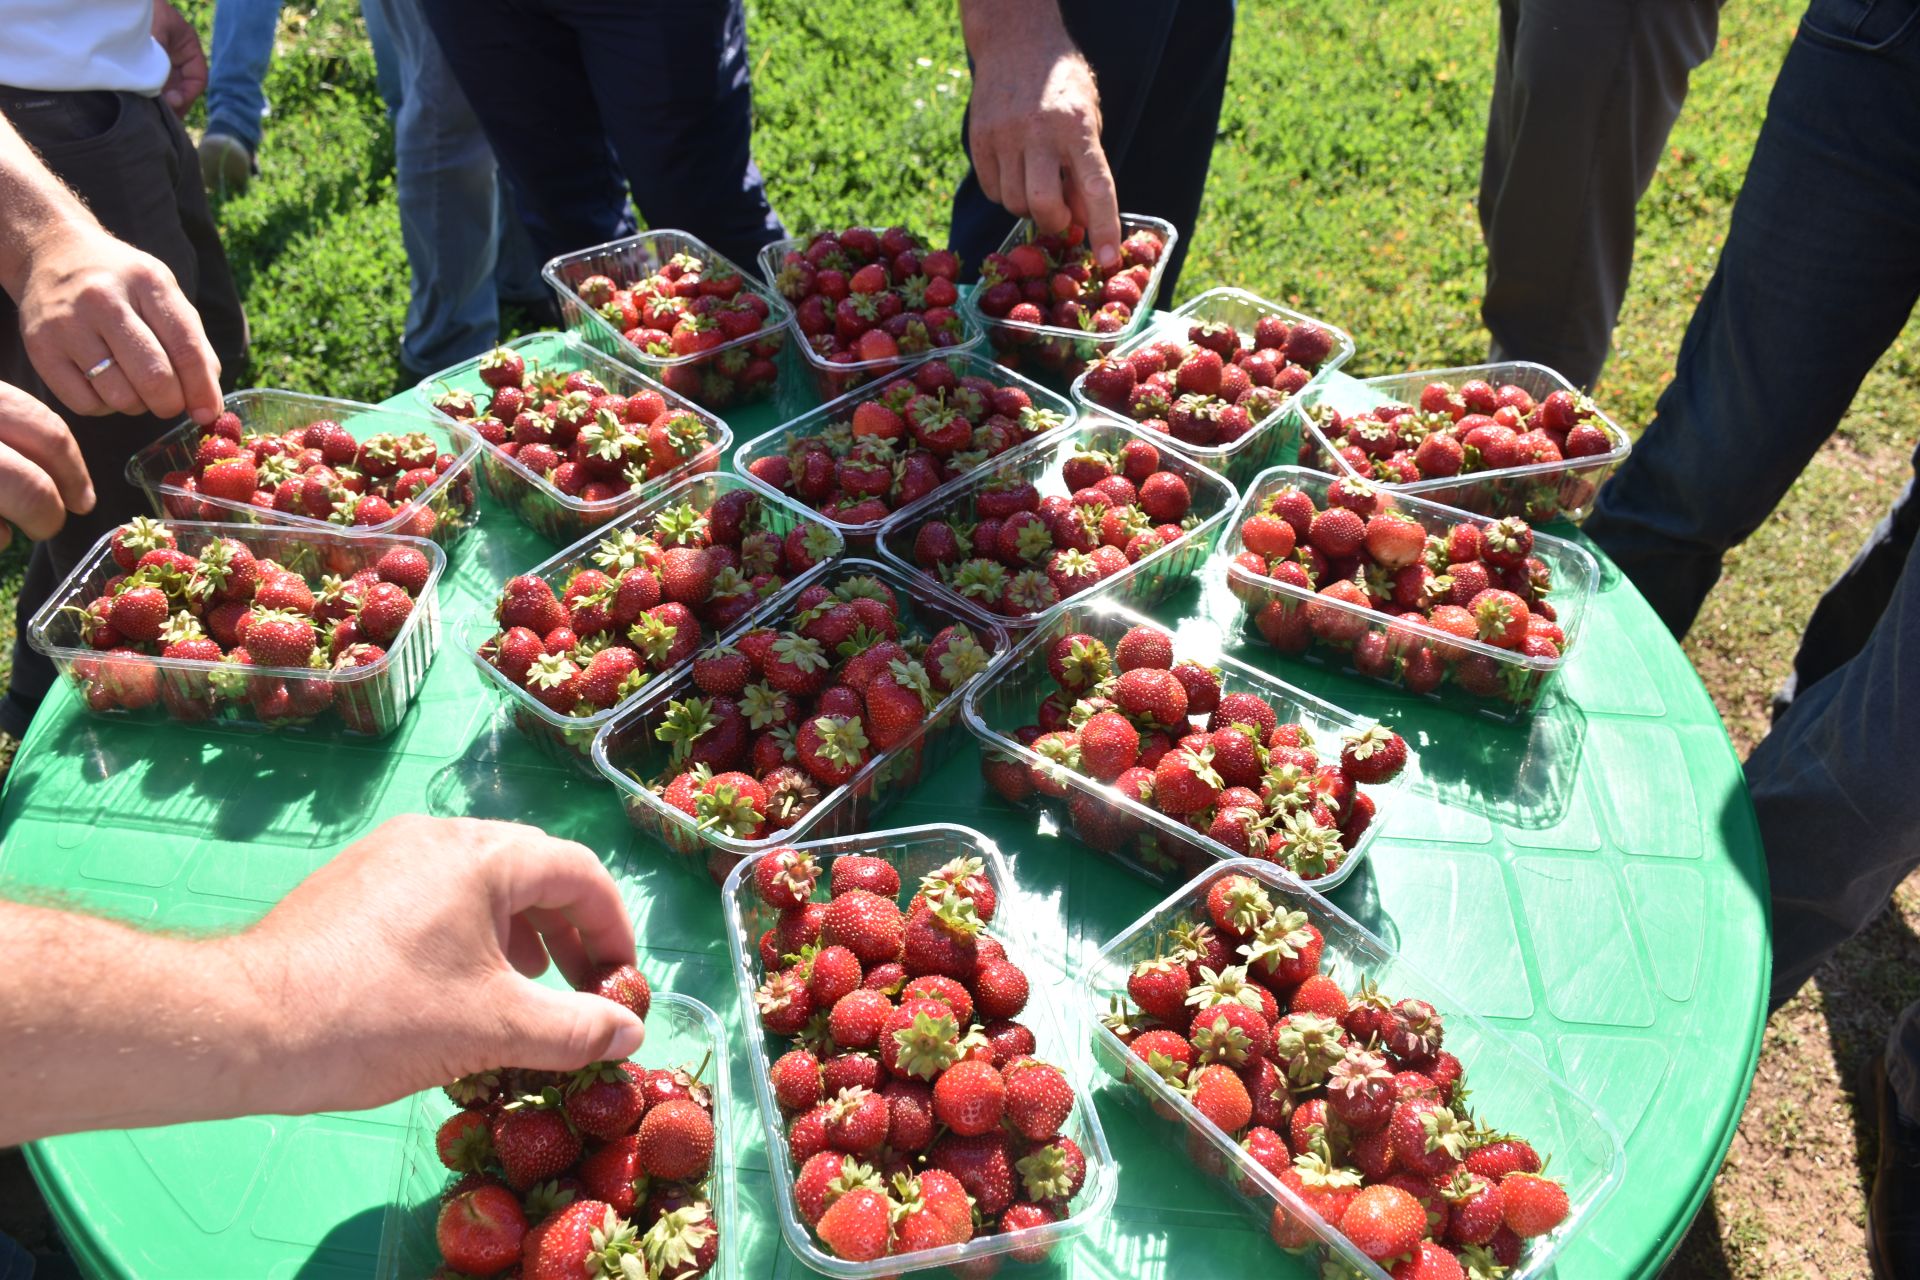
(1592, 883)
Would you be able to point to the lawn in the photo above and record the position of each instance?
(1343, 182)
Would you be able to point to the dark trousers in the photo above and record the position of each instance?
(573, 94)
(1820, 271)
(133, 164)
(1162, 71)
(1584, 95)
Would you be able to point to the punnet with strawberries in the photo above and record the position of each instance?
(807, 723)
(275, 457)
(1510, 439)
(613, 1171)
(247, 626)
(1296, 1056)
(580, 635)
(864, 299)
(912, 1072)
(1049, 308)
(1218, 375)
(572, 438)
(1425, 598)
(669, 305)
(1168, 757)
(1101, 504)
(866, 455)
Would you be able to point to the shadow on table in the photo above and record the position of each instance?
(1519, 775)
(350, 1249)
(502, 775)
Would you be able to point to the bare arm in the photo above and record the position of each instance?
(1034, 127)
(403, 963)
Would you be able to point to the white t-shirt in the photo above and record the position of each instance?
(81, 44)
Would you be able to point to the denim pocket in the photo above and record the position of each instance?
(1862, 26)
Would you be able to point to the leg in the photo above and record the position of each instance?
(672, 81)
(1807, 294)
(1890, 1095)
(1585, 93)
(243, 32)
(525, 79)
(133, 164)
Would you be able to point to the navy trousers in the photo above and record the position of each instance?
(1162, 70)
(585, 101)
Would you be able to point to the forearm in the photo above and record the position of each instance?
(36, 209)
(990, 26)
(104, 1026)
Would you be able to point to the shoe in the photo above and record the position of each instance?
(1893, 1206)
(226, 165)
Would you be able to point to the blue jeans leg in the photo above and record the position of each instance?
(448, 194)
(237, 67)
(1819, 274)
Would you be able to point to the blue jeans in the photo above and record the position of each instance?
(465, 245)
(1820, 271)
(237, 67)
(1162, 74)
(574, 94)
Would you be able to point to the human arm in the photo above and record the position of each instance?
(187, 74)
(84, 295)
(42, 475)
(1034, 121)
(404, 962)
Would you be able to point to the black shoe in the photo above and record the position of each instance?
(1893, 1206)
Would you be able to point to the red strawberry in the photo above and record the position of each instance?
(1374, 755)
(858, 1225)
(1218, 1094)
(785, 877)
(1531, 1204)
(1185, 781)
(533, 1142)
(969, 1097)
(480, 1231)
(1038, 1098)
(866, 924)
(1384, 1222)
(676, 1140)
(1144, 647)
(1109, 745)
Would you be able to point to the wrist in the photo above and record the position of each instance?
(1032, 28)
(263, 1045)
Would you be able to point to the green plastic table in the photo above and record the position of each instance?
(1592, 884)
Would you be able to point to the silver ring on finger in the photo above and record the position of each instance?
(101, 366)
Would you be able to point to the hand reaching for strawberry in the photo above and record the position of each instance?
(400, 965)
(42, 475)
(1034, 118)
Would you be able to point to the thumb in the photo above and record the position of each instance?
(549, 1030)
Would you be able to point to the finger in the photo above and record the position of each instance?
(563, 943)
(1096, 205)
(28, 496)
(538, 872)
(177, 326)
(1045, 202)
(986, 164)
(1013, 182)
(143, 362)
(38, 434)
(114, 390)
(548, 1030)
(69, 384)
(525, 951)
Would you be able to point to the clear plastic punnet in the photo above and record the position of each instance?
(1041, 463)
(1512, 1089)
(1273, 438)
(914, 852)
(1139, 836)
(559, 516)
(1502, 683)
(1539, 492)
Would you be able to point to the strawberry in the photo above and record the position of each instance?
(1079, 661)
(865, 923)
(982, 1166)
(832, 748)
(1185, 781)
(1532, 1205)
(603, 1101)
(533, 1141)
(676, 1140)
(826, 1176)
(969, 1097)
(1384, 1222)
(1373, 756)
(582, 1238)
(480, 1231)
(857, 1120)
(1152, 697)
(784, 878)
(1144, 647)
(1038, 1099)
(858, 1225)
(1218, 1094)
(863, 871)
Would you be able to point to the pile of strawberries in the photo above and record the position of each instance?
(862, 295)
(322, 472)
(571, 432)
(1164, 733)
(652, 592)
(1055, 280)
(916, 433)
(1349, 1099)
(234, 611)
(1023, 554)
(694, 328)
(1217, 386)
(1410, 592)
(917, 1114)
(588, 1173)
(785, 715)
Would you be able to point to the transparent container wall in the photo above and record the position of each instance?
(714, 380)
(570, 738)
(1275, 438)
(914, 852)
(1537, 493)
(1512, 1090)
(1054, 356)
(1153, 844)
(1522, 683)
(966, 364)
(631, 757)
(556, 515)
(1142, 584)
(681, 1032)
(441, 512)
(367, 701)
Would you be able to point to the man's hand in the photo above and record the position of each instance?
(188, 77)
(42, 476)
(1034, 122)
(408, 960)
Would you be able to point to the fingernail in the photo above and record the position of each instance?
(1108, 255)
(86, 501)
(627, 1040)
